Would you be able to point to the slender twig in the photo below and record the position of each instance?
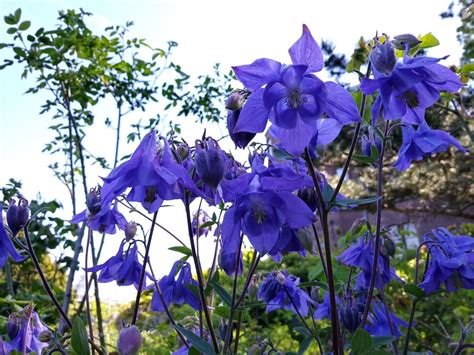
(253, 267)
(378, 222)
(98, 303)
(46, 285)
(197, 265)
(143, 271)
(234, 294)
(117, 138)
(237, 331)
(389, 318)
(320, 251)
(336, 339)
(298, 311)
(355, 138)
(88, 306)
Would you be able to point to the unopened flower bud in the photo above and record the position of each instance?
(13, 327)
(210, 162)
(389, 246)
(241, 139)
(307, 238)
(350, 317)
(314, 294)
(383, 57)
(253, 288)
(357, 225)
(235, 100)
(93, 201)
(183, 151)
(17, 215)
(130, 230)
(401, 41)
(45, 336)
(130, 341)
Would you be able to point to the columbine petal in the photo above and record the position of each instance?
(306, 51)
(254, 115)
(340, 105)
(260, 72)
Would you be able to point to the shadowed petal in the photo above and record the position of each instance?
(306, 51)
(254, 115)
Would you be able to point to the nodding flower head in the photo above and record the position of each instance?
(130, 341)
(236, 99)
(130, 230)
(18, 215)
(210, 162)
(93, 201)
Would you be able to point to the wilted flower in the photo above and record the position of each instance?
(176, 290)
(124, 267)
(280, 291)
(129, 341)
(23, 329)
(17, 215)
(6, 245)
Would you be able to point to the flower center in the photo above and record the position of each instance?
(294, 99)
(150, 194)
(411, 98)
(259, 213)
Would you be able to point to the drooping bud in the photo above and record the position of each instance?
(404, 40)
(17, 215)
(357, 225)
(130, 230)
(314, 294)
(130, 341)
(308, 239)
(253, 288)
(93, 201)
(236, 100)
(241, 139)
(308, 195)
(350, 317)
(383, 57)
(389, 246)
(210, 162)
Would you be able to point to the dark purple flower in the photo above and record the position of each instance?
(176, 290)
(378, 322)
(280, 291)
(152, 174)
(411, 87)
(93, 201)
(17, 215)
(124, 267)
(241, 139)
(106, 221)
(350, 316)
(260, 216)
(291, 97)
(383, 58)
(210, 162)
(6, 245)
(421, 143)
(28, 326)
(451, 262)
(129, 341)
(361, 255)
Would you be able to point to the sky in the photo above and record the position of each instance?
(208, 32)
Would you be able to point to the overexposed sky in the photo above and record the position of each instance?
(228, 32)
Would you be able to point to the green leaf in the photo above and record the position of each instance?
(182, 249)
(314, 283)
(198, 343)
(206, 224)
(382, 340)
(24, 25)
(226, 297)
(79, 341)
(304, 345)
(363, 159)
(428, 41)
(327, 193)
(302, 330)
(414, 290)
(361, 342)
(467, 68)
(17, 15)
(360, 201)
(9, 20)
(11, 30)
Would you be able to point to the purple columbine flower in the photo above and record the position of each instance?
(17, 215)
(210, 162)
(422, 142)
(361, 255)
(291, 97)
(124, 267)
(152, 174)
(23, 329)
(280, 291)
(409, 88)
(176, 290)
(6, 245)
(451, 262)
(105, 221)
(378, 322)
(323, 309)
